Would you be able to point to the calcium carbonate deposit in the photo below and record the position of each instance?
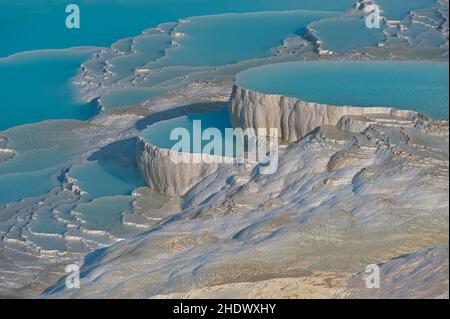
(362, 170)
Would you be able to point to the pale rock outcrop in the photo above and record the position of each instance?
(294, 118)
(166, 176)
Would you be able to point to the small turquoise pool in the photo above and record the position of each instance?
(104, 178)
(413, 85)
(159, 134)
(345, 34)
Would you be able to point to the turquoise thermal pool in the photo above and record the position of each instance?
(116, 178)
(37, 86)
(159, 134)
(202, 43)
(40, 158)
(230, 38)
(345, 34)
(34, 25)
(419, 86)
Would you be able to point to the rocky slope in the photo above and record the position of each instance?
(340, 200)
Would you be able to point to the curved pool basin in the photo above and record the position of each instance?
(159, 134)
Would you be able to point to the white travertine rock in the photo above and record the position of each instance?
(294, 118)
(338, 202)
(166, 176)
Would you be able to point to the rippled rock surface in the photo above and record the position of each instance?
(339, 201)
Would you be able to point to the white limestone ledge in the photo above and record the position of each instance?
(166, 176)
(293, 117)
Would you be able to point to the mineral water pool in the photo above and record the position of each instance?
(17, 186)
(207, 41)
(103, 178)
(44, 150)
(37, 86)
(230, 38)
(344, 34)
(158, 134)
(104, 214)
(398, 9)
(35, 25)
(420, 86)
(147, 47)
(41, 153)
